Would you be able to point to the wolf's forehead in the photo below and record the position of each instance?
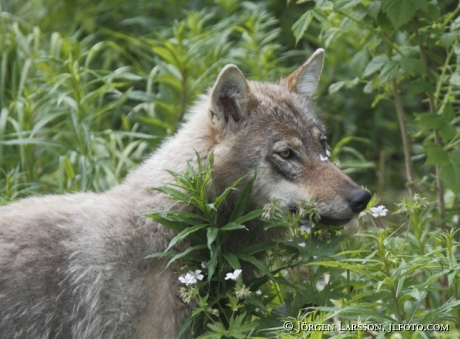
(276, 104)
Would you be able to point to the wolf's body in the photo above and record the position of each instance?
(69, 265)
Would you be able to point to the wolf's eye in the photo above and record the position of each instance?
(323, 141)
(285, 154)
(324, 144)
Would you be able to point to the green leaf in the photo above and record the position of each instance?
(184, 234)
(399, 11)
(212, 235)
(450, 176)
(418, 86)
(186, 253)
(389, 71)
(449, 38)
(421, 4)
(212, 264)
(336, 86)
(174, 225)
(448, 112)
(412, 66)
(249, 216)
(375, 64)
(344, 4)
(233, 226)
(429, 121)
(359, 63)
(374, 8)
(232, 260)
(319, 14)
(301, 25)
(447, 132)
(220, 199)
(241, 203)
(436, 155)
(258, 247)
(455, 80)
(455, 156)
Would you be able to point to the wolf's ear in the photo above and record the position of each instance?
(229, 98)
(304, 80)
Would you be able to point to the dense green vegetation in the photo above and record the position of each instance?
(87, 89)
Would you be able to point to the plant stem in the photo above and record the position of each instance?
(437, 138)
(404, 136)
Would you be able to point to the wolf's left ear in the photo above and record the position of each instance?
(304, 80)
(229, 98)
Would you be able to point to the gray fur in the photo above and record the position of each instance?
(69, 265)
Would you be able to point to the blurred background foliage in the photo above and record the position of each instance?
(88, 89)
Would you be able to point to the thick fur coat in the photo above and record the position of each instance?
(70, 264)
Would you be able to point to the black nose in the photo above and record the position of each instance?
(358, 200)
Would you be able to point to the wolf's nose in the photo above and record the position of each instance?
(358, 200)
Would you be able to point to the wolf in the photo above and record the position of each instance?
(69, 264)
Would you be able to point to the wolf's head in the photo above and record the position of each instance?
(272, 129)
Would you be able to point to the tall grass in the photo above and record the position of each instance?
(78, 112)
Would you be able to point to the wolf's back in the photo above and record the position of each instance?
(61, 270)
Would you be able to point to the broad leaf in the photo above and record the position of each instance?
(301, 25)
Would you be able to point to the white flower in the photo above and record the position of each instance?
(305, 228)
(259, 292)
(204, 264)
(328, 153)
(302, 244)
(233, 275)
(379, 211)
(362, 214)
(323, 158)
(191, 277)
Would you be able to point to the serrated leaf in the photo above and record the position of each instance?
(455, 156)
(447, 132)
(344, 4)
(374, 8)
(359, 63)
(429, 121)
(399, 11)
(412, 66)
(301, 25)
(421, 4)
(389, 71)
(436, 155)
(375, 64)
(450, 176)
(419, 85)
(319, 14)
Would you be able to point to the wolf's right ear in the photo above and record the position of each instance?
(229, 99)
(304, 80)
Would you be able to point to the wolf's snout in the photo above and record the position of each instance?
(358, 200)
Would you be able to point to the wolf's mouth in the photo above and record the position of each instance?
(333, 222)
